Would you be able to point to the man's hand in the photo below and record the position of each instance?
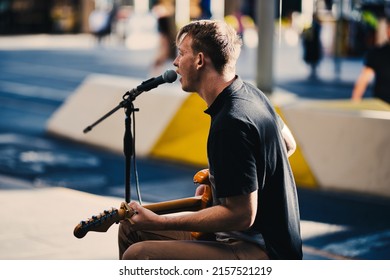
(200, 190)
(143, 219)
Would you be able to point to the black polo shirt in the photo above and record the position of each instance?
(246, 152)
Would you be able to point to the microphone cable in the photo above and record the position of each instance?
(137, 187)
(129, 166)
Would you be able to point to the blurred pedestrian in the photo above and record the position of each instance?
(376, 65)
(100, 22)
(312, 47)
(166, 26)
(205, 6)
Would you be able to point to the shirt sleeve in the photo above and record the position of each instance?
(280, 122)
(234, 165)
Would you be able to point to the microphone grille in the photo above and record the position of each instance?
(170, 76)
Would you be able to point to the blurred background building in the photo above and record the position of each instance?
(350, 27)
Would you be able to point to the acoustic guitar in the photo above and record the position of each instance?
(103, 221)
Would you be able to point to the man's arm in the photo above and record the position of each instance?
(237, 213)
(289, 140)
(365, 77)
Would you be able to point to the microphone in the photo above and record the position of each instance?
(169, 76)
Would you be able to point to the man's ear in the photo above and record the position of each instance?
(200, 60)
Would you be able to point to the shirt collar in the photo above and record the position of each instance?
(221, 98)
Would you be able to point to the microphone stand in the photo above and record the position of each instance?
(128, 140)
(127, 103)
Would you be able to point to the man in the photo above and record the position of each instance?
(255, 213)
(312, 47)
(376, 64)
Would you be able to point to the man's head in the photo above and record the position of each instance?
(216, 40)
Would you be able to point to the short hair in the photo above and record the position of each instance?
(216, 39)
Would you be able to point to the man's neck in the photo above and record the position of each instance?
(213, 85)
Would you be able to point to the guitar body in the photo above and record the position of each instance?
(103, 221)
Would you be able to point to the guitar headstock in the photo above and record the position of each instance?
(103, 221)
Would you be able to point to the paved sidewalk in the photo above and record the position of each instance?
(38, 224)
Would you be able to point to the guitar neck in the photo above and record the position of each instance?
(173, 206)
(103, 221)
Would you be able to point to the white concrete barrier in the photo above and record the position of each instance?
(346, 146)
(98, 95)
(341, 145)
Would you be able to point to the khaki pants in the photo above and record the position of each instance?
(180, 245)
